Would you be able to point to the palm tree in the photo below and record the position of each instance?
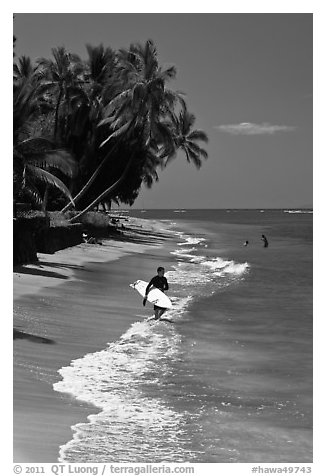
(86, 109)
(62, 77)
(144, 98)
(26, 107)
(32, 158)
(139, 109)
(104, 194)
(33, 154)
(87, 104)
(186, 138)
(24, 68)
(100, 74)
(100, 80)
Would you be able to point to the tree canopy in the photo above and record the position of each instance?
(95, 130)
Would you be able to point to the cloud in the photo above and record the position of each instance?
(250, 129)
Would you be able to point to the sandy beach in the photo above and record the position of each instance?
(67, 305)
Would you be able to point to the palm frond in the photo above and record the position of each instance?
(23, 68)
(187, 120)
(35, 144)
(198, 135)
(193, 157)
(197, 150)
(32, 192)
(116, 102)
(168, 159)
(57, 159)
(168, 73)
(117, 133)
(43, 176)
(107, 120)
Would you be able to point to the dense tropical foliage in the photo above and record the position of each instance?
(95, 130)
(34, 155)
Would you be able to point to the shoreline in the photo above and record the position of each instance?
(43, 273)
(65, 306)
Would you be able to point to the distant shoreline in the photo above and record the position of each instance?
(126, 210)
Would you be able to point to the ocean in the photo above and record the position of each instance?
(230, 379)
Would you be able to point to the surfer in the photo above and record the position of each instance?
(264, 239)
(160, 282)
(246, 243)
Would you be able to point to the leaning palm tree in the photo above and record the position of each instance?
(100, 81)
(144, 98)
(139, 168)
(105, 194)
(186, 138)
(138, 110)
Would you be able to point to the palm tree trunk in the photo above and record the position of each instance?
(45, 199)
(86, 187)
(95, 174)
(104, 194)
(57, 113)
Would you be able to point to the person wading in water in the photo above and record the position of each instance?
(161, 283)
(264, 239)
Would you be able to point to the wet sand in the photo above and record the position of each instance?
(68, 304)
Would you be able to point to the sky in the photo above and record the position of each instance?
(248, 78)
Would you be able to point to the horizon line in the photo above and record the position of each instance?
(216, 208)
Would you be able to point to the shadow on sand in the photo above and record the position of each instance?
(139, 236)
(24, 335)
(39, 272)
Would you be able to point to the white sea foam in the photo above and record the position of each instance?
(200, 270)
(237, 269)
(190, 240)
(183, 253)
(130, 425)
(197, 269)
(187, 275)
(298, 211)
(221, 266)
(126, 380)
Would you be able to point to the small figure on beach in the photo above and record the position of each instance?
(91, 240)
(264, 239)
(160, 282)
(246, 243)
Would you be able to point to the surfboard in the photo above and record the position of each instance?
(155, 296)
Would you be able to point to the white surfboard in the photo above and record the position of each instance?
(155, 296)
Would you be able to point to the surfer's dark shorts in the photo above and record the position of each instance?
(158, 308)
